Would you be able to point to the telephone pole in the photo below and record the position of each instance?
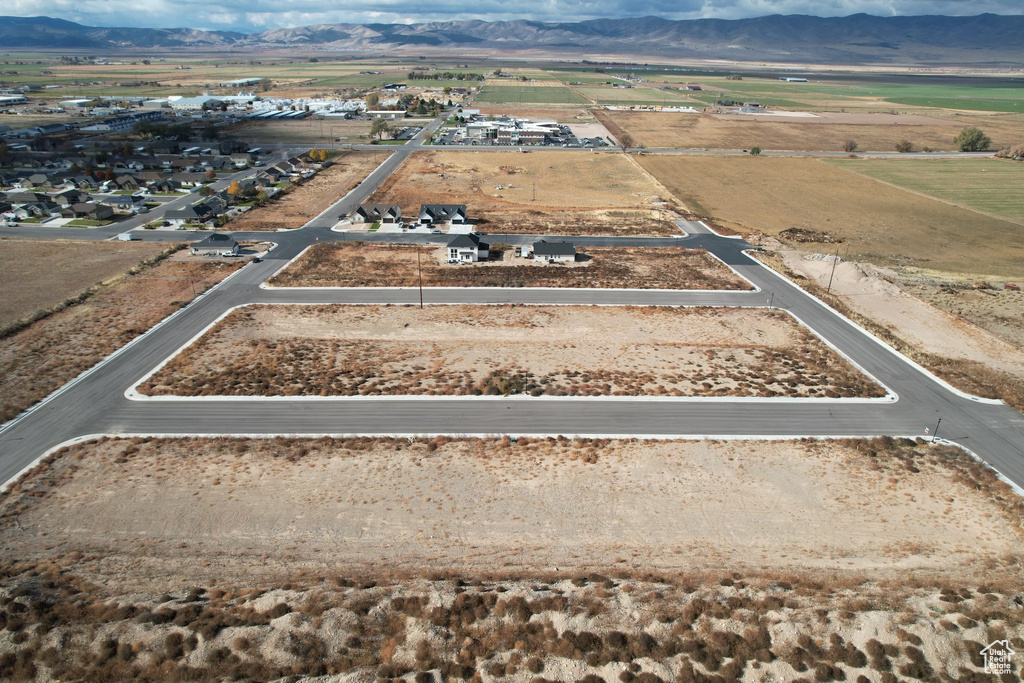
(420, 269)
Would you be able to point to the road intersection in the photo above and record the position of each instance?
(96, 402)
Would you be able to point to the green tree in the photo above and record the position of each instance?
(850, 146)
(205, 191)
(972, 139)
(904, 146)
(755, 150)
(211, 132)
(372, 101)
(380, 128)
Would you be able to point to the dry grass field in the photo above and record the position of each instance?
(47, 354)
(545, 192)
(883, 224)
(311, 197)
(39, 274)
(535, 350)
(486, 560)
(873, 132)
(313, 132)
(396, 265)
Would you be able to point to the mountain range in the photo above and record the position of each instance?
(859, 38)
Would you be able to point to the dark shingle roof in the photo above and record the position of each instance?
(543, 248)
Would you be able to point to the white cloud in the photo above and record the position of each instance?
(258, 15)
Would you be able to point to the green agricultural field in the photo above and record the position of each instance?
(995, 186)
(526, 94)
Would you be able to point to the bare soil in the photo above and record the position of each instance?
(392, 265)
(327, 133)
(38, 274)
(873, 132)
(308, 199)
(540, 192)
(549, 350)
(47, 354)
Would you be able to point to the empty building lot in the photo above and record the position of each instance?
(499, 350)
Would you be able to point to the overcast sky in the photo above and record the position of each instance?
(258, 15)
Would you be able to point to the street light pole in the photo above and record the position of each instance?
(936, 432)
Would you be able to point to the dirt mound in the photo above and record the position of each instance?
(801, 235)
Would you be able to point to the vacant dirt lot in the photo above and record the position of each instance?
(394, 265)
(313, 132)
(134, 559)
(883, 224)
(550, 350)
(879, 133)
(38, 274)
(52, 351)
(311, 197)
(547, 192)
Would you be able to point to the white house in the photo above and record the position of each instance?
(554, 252)
(215, 245)
(467, 249)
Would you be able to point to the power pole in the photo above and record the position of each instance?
(834, 262)
(420, 269)
(936, 432)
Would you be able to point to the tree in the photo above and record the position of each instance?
(497, 72)
(265, 84)
(211, 132)
(904, 146)
(205, 191)
(380, 128)
(372, 101)
(755, 150)
(626, 141)
(235, 188)
(5, 149)
(210, 175)
(972, 139)
(850, 146)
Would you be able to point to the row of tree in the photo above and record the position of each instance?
(443, 76)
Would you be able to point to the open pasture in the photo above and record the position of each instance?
(992, 185)
(554, 93)
(883, 224)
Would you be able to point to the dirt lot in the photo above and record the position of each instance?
(393, 265)
(562, 115)
(885, 225)
(487, 560)
(878, 133)
(52, 351)
(536, 350)
(310, 198)
(327, 133)
(38, 274)
(549, 192)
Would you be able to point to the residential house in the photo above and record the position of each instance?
(36, 180)
(216, 244)
(163, 186)
(442, 213)
(89, 210)
(554, 252)
(189, 179)
(372, 213)
(27, 197)
(125, 204)
(200, 213)
(66, 198)
(126, 182)
(467, 249)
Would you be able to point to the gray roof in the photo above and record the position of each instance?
(543, 248)
(379, 210)
(442, 212)
(465, 242)
(215, 241)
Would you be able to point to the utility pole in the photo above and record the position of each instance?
(834, 262)
(420, 269)
(936, 432)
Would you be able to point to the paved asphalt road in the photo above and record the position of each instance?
(95, 402)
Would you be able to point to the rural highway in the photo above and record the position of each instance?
(95, 403)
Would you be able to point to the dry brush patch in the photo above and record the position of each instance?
(393, 265)
(38, 274)
(307, 199)
(466, 350)
(105, 580)
(41, 357)
(540, 192)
